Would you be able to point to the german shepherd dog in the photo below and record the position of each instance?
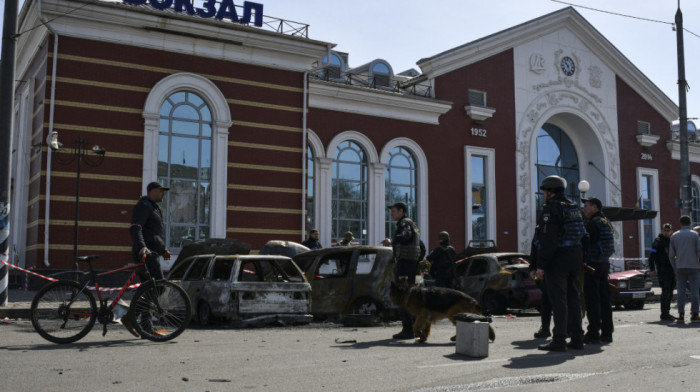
(430, 304)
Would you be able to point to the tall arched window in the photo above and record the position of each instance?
(350, 197)
(310, 181)
(556, 155)
(184, 163)
(400, 185)
(381, 75)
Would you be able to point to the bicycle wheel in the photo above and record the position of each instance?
(62, 313)
(161, 311)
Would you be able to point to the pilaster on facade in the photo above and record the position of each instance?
(377, 198)
(324, 198)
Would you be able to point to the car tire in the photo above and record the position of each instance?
(203, 313)
(493, 303)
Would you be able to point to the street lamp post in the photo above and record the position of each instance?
(583, 187)
(79, 153)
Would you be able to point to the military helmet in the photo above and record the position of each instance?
(553, 183)
(444, 236)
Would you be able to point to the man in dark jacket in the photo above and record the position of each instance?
(660, 266)
(596, 291)
(312, 242)
(406, 246)
(148, 231)
(559, 262)
(545, 305)
(442, 262)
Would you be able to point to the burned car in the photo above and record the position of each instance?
(630, 289)
(245, 289)
(498, 281)
(349, 281)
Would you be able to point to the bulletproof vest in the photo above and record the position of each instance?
(606, 240)
(573, 228)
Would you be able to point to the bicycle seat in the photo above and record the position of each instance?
(86, 259)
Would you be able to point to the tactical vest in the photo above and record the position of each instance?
(573, 228)
(409, 251)
(606, 240)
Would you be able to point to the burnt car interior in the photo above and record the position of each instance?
(269, 271)
(334, 266)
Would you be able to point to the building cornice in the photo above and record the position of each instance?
(566, 18)
(674, 146)
(181, 33)
(373, 102)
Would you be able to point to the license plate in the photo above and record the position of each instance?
(638, 295)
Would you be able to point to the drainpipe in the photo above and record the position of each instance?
(303, 143)
(49, 153)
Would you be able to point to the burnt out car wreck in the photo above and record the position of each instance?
(246, 290)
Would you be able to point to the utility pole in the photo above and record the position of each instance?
(7, 83)
(683, 116)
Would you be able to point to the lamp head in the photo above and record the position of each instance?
(584, 186)
(97, 150)
(52, 141)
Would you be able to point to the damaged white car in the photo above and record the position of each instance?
(248, 290)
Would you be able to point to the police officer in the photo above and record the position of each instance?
(660, 266)
(596, 291)
(559, 261)
(407, 252)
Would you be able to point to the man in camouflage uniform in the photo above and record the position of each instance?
(406, 246)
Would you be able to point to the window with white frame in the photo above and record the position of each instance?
(480, 167)
(477, 98)
(648, 198)
(695, 205)
(349, 202)
(400, 185)
(184, 164)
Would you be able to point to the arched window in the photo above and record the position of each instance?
(695, 206)
(310, 181)
(349, 202)
(185, 163)
(556, 155)
(400, 185)
(334, 70)
(381, 75)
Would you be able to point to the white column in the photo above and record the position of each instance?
(377, 203)
(324, 181)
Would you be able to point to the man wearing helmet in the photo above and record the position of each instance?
(560, 260)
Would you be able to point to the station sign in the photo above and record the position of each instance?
(225, 9)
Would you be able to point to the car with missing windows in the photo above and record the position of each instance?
(248, 290)
(631, 289)
(499, 281)
(350, 283)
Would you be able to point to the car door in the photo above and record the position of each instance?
(193, 280)
(476, 276)
(217, 285)
(331, 283)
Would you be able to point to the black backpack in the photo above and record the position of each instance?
(606, 239)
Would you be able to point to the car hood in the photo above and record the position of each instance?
(627, 274)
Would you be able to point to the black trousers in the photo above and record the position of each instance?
(564, 294)
(408, 269)
(667, 281)
(597, 296)
(545, 305)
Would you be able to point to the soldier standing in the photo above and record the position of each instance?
(559, 261)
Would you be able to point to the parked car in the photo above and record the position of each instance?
(246, 289)
(630, 289)
(349, 281)
(498, 281)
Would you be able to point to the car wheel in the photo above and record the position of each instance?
(634, 305)
(203, 313)
(493, 303)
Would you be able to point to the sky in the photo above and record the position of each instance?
(404, 31)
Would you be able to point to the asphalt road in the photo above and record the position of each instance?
(646, 355)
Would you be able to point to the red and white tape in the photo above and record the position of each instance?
(101, 289)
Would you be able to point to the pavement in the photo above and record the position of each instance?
(20, 302)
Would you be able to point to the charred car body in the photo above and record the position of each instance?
(349, 281)
(630, 289)
(498, 281)
(246, 289)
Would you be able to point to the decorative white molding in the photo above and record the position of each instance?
(647, 140)
(374, 102)
(567, 18)
(479, 113)
(540, 110)
(162, 30)
(674, 146)
(221, 116)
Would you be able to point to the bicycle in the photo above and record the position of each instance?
(65, 311)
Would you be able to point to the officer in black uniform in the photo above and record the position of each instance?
(660, 266)
(559, 261)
